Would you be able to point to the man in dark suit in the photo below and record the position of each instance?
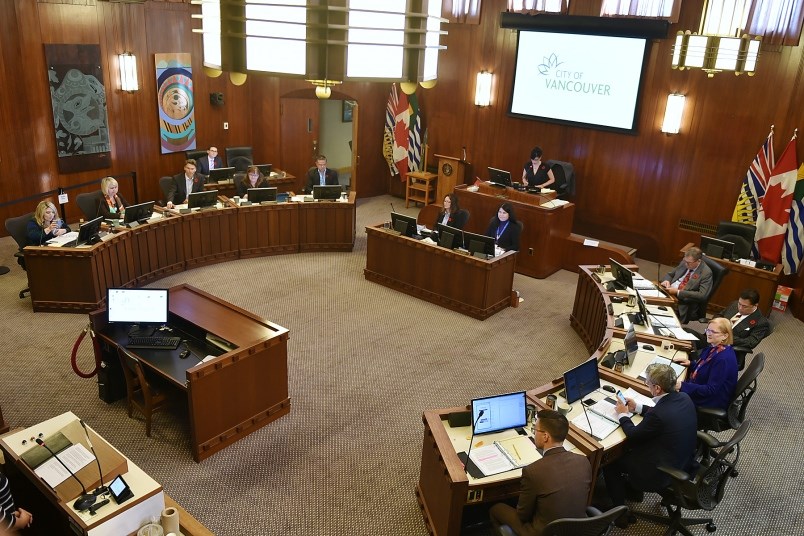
(748, 324)
(553, 487)
(665, 437)
(320, 174)
(211, 161)
(690, 282)
(189, 181)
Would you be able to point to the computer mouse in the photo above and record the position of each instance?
(648, 347)
(184, 354)
(662, 308)
(609, 388)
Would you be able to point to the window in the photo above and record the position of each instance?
(462, 11)
(538, 6)
(777, 21)
(660, 9)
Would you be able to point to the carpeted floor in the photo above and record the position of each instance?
(364, 362)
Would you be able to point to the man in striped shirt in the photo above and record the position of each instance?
(12, 518)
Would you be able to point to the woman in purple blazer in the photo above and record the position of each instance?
(712, 377)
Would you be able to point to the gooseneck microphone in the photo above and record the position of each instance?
(101, 488)
(472, 439)
(85, 500)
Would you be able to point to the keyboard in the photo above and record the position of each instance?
(154, 343)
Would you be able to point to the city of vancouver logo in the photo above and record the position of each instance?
(556, 79)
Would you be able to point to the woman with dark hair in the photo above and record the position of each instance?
(452, 214)
(505, 228)
(252, 179)
(536, 173)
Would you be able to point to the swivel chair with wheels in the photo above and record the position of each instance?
(17, 227)
(596, 524)
(164, 185)
(720, 420)
(696, 309)
(89, 203)
(239, 158)
(740, 234)
(564, 172)
(702, 491)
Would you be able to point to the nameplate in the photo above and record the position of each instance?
(748, 262)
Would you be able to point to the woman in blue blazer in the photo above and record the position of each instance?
(712, 377)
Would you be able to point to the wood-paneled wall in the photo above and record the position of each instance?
(630, 189)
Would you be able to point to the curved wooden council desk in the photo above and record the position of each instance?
(74, 280)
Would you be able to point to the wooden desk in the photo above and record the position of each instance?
(148, 499)
(471, 286)
(740, 278)
(173, 244)
(444, 488)
(547, 243)
(230, 396)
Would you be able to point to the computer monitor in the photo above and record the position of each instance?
(500, 176)
(500, 412)
(88, 232)
(477, 243)
(328, 191)
(406, 225)
(139, 213)
(204, 199)
(137, 305)
(581, 380)
(643, 310)
(221, 174)
(265, 169)
(258, 195)
(449, 237)
(715, 247)
(631, 344)
(623, 277)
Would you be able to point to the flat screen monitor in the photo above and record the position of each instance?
(715, 247)
(449, 237)
(631, 344)
(477, 243)
(137, 305)
(581, 380)
(579, 79)
(221, 174)
(643, 310)
(623, 277)
(88, 233)
(406, 225)
(258, 195)
(328, 191)
(265, 169)
(500, 176)
(204, 199)
(500, 412)
(140, 212)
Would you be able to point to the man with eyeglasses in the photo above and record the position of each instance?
(748, 324)
(553, 487)
(666, 436)
(689, 282)
(211, 161)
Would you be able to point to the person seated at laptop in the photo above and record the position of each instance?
(690, 283)
(184, 184)
(320, 175)
(712, 377)
(253, 179)
(112, 205)
(45, 225)
(536, 173)
(452, 214)
(504, 228)
(553, 487)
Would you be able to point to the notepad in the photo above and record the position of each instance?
(505, 455)
(601, 426)
(677, 368)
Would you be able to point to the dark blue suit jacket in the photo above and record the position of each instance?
(666, 436)
(203, 164)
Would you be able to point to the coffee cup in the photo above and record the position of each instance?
(564, 408)
(601, 269)
(236, 199)
(551, 401)
(668, 346)
(530, 412)
(631, 300)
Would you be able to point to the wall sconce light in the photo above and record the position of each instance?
(673, 113)
(483, 89)
(128, 72)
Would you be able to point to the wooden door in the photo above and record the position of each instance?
(300, 129)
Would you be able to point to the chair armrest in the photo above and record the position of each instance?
(712, 412)
(677, 474)
(19, 254)
(744, 349)
(591, 511)
(710, 440)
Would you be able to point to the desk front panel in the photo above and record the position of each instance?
(327, 225)
(158, 249)
(268, 229)
(210, 236)
(742, 277)
(474, 287)
(590, 317)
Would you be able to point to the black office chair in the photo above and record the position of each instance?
(564, 172)
(239, 158)
(89, 204)
(596, 524)
(195, 155)
(696, 309)
(702, 491)
(741, 234)
(719, 420)
(17, 228)
(165, 184)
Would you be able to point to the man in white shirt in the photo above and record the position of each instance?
(183, 184)
(211, 161)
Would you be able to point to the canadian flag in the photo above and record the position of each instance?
(774, 213)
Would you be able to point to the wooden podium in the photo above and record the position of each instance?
(451, 172)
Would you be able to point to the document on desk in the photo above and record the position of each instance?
(606, 409)
(643, 284)
(638, 397)
(59, 241)
(663, 321)
(677, 368)
(601, 426)
(75, 457)
(505, 455)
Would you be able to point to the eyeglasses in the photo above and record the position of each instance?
(712, 331)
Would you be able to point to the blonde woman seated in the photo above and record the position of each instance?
(112, 204)
(45, 225)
